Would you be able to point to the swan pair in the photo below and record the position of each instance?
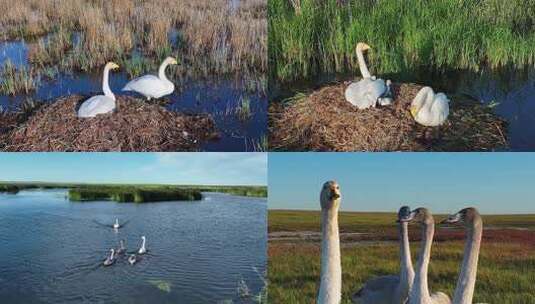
(427, 108)
(409, 286)
(150, 86)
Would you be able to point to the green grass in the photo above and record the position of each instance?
(298, 220)
(14, 80)
(504, 274)
(405, 36)
(136, 192)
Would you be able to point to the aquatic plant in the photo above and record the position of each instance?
(133, 194)
(405, 36)
(244, 108)
(14, 80)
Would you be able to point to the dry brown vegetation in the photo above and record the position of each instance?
(213, 36)
(134, 126)
(325, 121)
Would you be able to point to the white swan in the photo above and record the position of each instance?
(116, 224)
(330, 291)
(100, 104)
(142, 250)
(132, 259)
(391, 289)
(430, 109)
(419, 294)
(121, 249)
(152, 86)
(470, 218)
(368, 91)
(111, 259)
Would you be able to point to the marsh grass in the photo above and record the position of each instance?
(133, 194)
(14, 80)
(244, 108)
(405, 36)
(212, 37)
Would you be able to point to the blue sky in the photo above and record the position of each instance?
(444, 182)
(153, 168)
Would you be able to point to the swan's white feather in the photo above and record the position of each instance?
(95, 105)
(365, 93)
(150, 86)
(434, 109)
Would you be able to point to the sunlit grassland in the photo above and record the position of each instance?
(505, 272)
(405, 36)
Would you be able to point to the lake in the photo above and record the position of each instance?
(198, 252)
(219, 96)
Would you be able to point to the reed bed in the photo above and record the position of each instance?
(133, 194)
(17, 79)
(316, 37)
(209, 36)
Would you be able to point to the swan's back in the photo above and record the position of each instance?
(95, 105)
(440, 108)
(378, 290)
(364, 93)
(150, 86)
(440, 298)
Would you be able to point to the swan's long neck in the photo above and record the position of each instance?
(112, 254)
(105, 84)
(331, 268)
(464, 291)
(362, 64)
(161, 71)
(143, 243)
(407, 271)
(420, 289)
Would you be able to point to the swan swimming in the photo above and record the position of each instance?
(152, 86)
(331, 266)
(121, 249)
(116, 224)
(100, 104)
(132, 259)
(430, 109)
(369, 90)
(392, 289)
(111, 259)
(142, 250)
(419, 294)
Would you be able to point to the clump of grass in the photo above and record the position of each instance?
(15, 80)
(244, 108)
(320, 36)
(133, 195)
(137, 65)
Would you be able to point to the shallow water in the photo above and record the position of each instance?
(511, 94)
(52, 249)
(218, 96)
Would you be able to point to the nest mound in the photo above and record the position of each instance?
(325, 121)
(134, 126)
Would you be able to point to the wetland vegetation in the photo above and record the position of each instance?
(477, 52)
(369, 248)
(136, 193)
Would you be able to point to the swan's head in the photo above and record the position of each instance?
(112, 251)
(112, 66)
(330, 195)
(466, 217)
(403, 212)
(419, 215)
(143, 237)
(170, 60)
(362, 47)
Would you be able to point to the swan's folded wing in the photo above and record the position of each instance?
(95, 105)
(146, 85)
(377, 290)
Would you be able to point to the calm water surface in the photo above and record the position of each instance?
(218, 96)
(51, 250)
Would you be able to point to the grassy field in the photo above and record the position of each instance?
(207, 37)
(315, 37)
(135, 193)
(505, 272)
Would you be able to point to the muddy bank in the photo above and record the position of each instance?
(134, 126)
(325, 121)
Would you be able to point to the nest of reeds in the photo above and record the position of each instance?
(325, 121)
(134, 126)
